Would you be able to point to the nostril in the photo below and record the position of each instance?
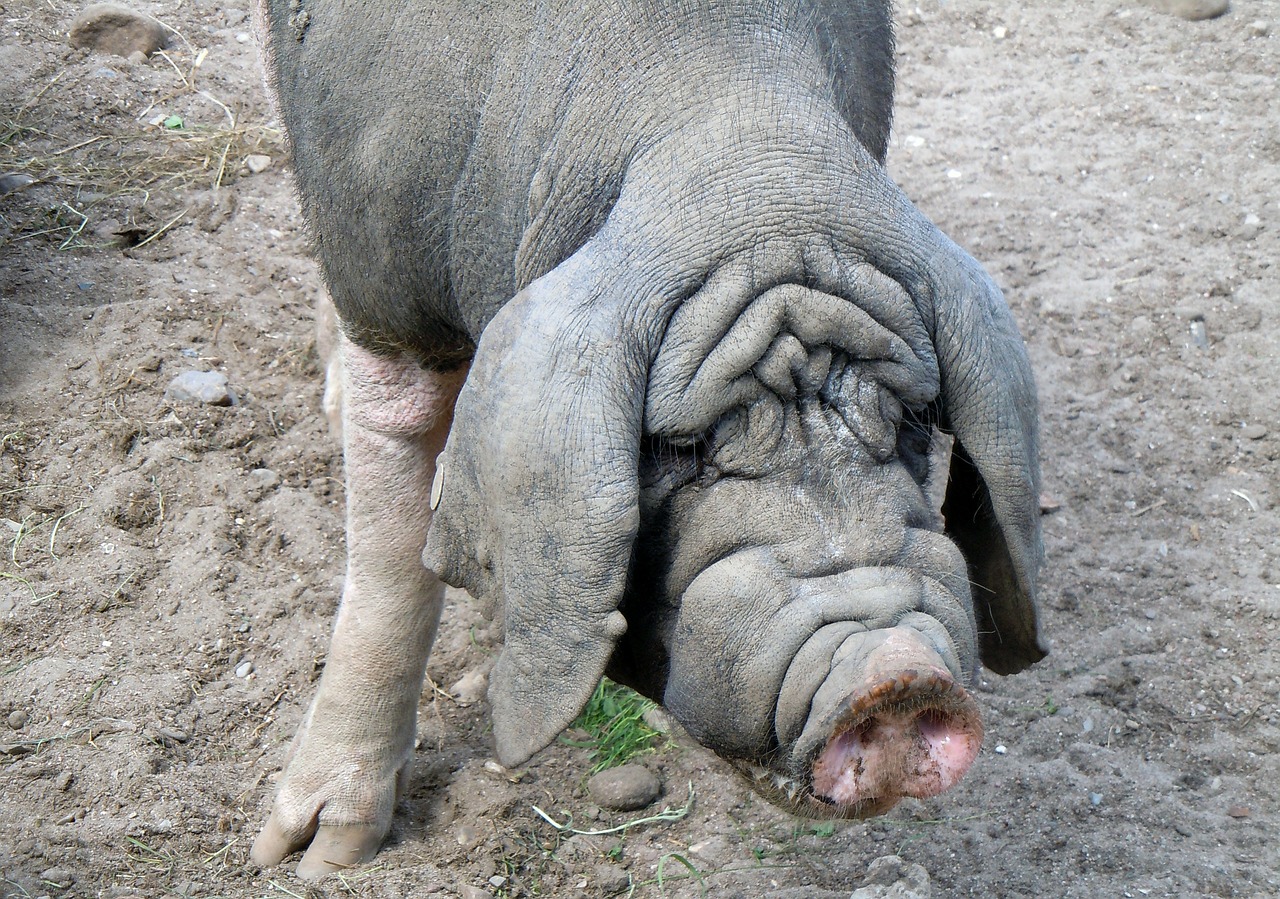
(935, 726)
(950, 743)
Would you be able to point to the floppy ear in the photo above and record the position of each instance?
(992, 506)
(536, 506)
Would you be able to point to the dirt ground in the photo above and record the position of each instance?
(169, 570)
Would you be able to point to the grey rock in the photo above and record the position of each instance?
(17, 719)
(1193, 10)
(59, 876)
(889, 877)
(209, 387)
(244, 669)
(257, 163)
(1251, 227)
(1259, 28)
(624, 788)
(14, 182)
(119, 30)
(1253, 432)
(1199, 334)
(264, 478)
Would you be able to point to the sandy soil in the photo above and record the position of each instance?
(168, 570)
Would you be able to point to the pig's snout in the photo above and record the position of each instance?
(889, 721)
(914, 734)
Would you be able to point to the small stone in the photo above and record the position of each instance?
(497, 881)
(170, 736)
(244, 669)
(263, 478)
(1000, 32)
(57, 876)
(138, 58)
(257, 163)
(468, 891)
(17, 719)
(890, 877)
(1001, 749)
(15, 181)
(112, 28)
(209, 387)
(62, 782)
(625, 788)
(1253, 432)
(1199, 334)
(1259, 28)
(1193, 10)
(1095, 799)
(1250, 227)
(1239, 811)
(466, 835)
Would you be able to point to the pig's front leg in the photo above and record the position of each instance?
(353, 751)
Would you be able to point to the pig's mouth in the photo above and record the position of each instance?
(914, 734)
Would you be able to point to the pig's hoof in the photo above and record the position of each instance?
(333, 848)
(914, 735)
(307, 811)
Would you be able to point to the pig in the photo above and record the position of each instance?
(641, 346)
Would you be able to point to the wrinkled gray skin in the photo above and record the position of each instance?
(710, 346)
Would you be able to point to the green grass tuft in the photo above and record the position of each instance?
(615, 720)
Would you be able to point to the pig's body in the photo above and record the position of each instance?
(709, 341)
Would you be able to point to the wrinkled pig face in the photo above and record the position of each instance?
(722, 495)
(793, 599)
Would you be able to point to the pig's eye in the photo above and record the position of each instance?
(671, 463)
(915, 440)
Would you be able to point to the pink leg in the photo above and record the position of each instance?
(355, 745)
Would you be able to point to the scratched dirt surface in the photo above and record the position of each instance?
(169, 569)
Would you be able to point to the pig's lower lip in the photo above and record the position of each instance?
(912, 735)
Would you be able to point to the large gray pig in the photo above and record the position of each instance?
(644, 347)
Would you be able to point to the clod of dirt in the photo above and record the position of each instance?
(625, 788)
(112, 28)
(209, 387)
(1194, 10)
(129, 502)
(611, 879)
(889, 877)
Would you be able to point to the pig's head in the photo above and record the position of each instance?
(718, 476)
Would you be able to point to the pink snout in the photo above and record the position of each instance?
(910, 731)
